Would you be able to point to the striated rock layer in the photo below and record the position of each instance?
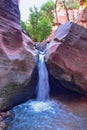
(67, 58)
(17, 58)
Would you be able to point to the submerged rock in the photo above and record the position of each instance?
(67, 57)
(17, 58)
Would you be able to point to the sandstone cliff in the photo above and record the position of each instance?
(17, 58)
(67, 57)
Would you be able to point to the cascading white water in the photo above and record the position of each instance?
(48, 114)
(43, 83)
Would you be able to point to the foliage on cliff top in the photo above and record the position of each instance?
(40, 22)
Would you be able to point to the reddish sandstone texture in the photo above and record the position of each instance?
(67, 57)
(17, 57)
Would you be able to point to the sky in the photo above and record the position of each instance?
(25, 5)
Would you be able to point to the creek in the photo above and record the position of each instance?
(45, 113)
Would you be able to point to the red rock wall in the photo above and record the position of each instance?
(9, 9)
(67, 57)
(17, 57)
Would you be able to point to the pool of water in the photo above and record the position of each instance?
(47, 115)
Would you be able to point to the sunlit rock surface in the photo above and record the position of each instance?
(67, 57)
(17, 58)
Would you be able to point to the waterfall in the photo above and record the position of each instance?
(43, 83)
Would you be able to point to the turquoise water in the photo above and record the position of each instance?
(49, 115)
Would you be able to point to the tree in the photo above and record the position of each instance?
(44, 29)
(40, 22)
(48, 8)
(23, 25)
(33, 23)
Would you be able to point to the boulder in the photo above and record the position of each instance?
(66, 58)
(17, 58)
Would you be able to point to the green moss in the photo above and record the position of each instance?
(10, 88)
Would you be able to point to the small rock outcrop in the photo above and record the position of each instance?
(66, 57)
(17, 58)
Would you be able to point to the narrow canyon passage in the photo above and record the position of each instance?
(44, 113)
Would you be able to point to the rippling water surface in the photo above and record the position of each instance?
(49, 115)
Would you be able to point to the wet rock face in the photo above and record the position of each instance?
(9, 9)
(67, 57)
(17, 58)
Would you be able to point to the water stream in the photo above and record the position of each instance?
(43, 83)
(45, 114)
